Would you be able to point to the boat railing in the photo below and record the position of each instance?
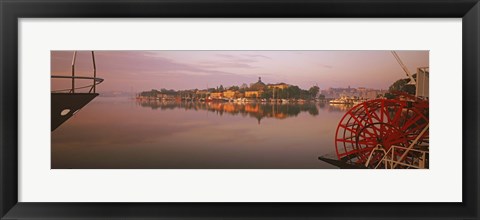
(73, 78)
(396, 154)
(390, 159)
(92, 86)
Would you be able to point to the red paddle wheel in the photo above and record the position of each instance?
(367, 131)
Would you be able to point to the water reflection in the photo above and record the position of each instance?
(255, 110)
(134, 134)
(338, 107)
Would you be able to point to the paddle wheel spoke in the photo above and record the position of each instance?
(368, 130)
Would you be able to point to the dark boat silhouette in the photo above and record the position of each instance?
(67, 102)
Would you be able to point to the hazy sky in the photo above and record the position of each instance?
(144, 70)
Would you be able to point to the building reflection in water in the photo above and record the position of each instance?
(255, 110)
(337, 107)
(134, 134)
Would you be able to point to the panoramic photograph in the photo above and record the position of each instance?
(220, 109)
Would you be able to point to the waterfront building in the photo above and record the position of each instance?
(258, 86)
(253, 94)
(372, 94)
(230, 94)
(278, 86)
(216, 95)
(256, 89)
(202, 92)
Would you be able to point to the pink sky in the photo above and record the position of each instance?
(145, 70)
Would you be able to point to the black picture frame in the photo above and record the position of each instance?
(12, 10)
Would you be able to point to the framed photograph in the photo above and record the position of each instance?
(247, 122)
(251, 110)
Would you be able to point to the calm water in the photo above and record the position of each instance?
(126, 133)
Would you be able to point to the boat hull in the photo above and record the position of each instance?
(65, 105)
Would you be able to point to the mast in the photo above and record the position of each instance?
(404, 67)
